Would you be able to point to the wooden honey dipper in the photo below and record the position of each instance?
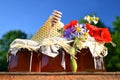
(56, 16)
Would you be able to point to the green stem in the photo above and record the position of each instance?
(75, 42)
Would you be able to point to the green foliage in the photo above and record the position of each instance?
(116, 24)
(4, 46)
(113, 58)
(100, 24)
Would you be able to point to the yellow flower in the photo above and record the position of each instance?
(97, 19)
(80, 38)
(85, 33)
(87, 18)
(91, 19)
(78, 29)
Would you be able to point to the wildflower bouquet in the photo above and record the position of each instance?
(85, 35)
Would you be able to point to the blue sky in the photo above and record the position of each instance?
(29, 15)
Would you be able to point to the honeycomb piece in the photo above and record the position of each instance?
(43, 31)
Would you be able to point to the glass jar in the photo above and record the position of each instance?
(24, 61)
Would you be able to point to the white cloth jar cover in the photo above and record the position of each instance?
(50, 47)
(98, 51)
(17, 44)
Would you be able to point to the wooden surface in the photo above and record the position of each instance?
(59, 76)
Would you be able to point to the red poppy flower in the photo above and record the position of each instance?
(66, 26)
(72, 23)
(100, 34)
